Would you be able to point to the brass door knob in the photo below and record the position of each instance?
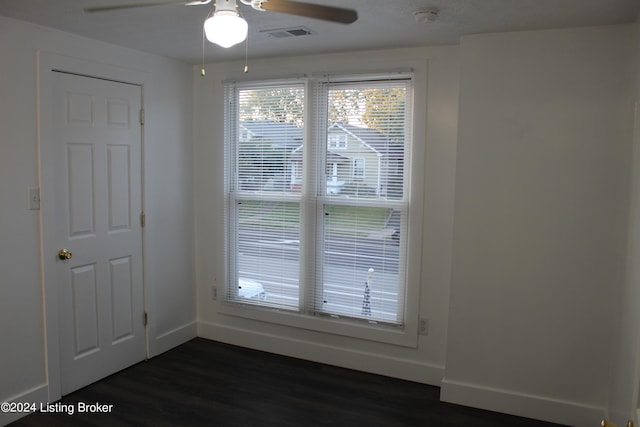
(64, 254)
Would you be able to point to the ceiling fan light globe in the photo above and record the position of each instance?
(226, 28)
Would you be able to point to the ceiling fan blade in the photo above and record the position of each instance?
(325, 13)
(138, 5)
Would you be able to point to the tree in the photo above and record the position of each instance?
(344, 106)
(283, 104)
(380, 108)
(384, 110)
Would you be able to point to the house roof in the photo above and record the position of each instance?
(279, 133)
(370, 137)
(288, 135)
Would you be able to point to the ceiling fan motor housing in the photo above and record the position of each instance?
(222, 5)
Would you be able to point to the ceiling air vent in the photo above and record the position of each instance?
(282, 33)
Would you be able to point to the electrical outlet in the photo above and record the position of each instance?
(423, 326)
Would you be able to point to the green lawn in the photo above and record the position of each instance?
(338, 218)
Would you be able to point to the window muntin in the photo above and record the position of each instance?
(361, 212)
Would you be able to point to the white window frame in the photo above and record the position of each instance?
(408, 334)
(338, 141)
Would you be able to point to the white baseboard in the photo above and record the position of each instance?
(37, 395)
(521, 404)
(173, 338)
(380, 364)
(40, 394)
(620, 417)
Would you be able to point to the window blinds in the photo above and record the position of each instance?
(354, 178)
(264, 194)
(361, 201)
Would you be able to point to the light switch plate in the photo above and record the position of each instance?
(423, 326)
(34, 198)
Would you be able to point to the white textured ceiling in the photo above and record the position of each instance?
(176, 30)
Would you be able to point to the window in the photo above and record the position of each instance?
(358, 168)
(312, 231)
(337, 141)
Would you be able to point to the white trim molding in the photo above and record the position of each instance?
(36, 396)
(520, 404)
(406, 369)
(172, 338)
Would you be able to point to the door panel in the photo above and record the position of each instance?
(80, 190)
(121, 292)
(85, 315)
(97, 168)
(119, 187)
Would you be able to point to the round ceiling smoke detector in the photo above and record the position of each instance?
(426, 15)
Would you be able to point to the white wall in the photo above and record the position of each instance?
(424, 363)
(625, 378)
(541, 209)
(170, 268)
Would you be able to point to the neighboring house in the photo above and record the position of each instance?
(277, 134)
(265, 148)
(359, 159)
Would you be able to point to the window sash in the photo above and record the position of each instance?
(265, 253)
(263, 207)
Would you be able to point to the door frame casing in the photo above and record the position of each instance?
(47, 64)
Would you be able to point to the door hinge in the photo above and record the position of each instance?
(142, 116)
(143, 219)
(145, 319)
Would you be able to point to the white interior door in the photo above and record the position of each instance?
(97, 198)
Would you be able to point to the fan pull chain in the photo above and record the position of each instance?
(246, 49)
(246, 56)
(203, 72)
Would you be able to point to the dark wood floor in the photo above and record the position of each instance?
(204, 383)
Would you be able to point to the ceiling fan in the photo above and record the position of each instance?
(226, 27)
